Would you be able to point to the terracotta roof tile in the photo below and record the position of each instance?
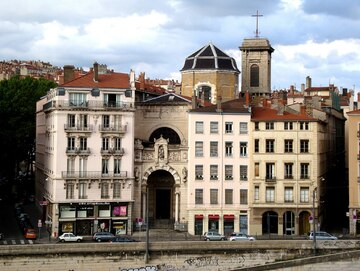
(109, 80)
(233, 106)
(268, 114)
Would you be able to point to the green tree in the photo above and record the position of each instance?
(18, 99)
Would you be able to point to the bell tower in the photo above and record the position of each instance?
(256, 63)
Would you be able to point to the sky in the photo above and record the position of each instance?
(316, 38)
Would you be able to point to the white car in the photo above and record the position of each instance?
(322, 235)
(239, 236)
(70, 237)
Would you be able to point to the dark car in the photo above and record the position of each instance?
(122, 239)
(103, 236)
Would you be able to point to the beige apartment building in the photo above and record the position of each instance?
(85, 154)
(287, 164)
(354, 171)
(219, 150)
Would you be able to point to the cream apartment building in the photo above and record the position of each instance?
(84, 154)
(218, 182)
(287, 166)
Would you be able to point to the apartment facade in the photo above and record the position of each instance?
(218, 183)
(84, 154)
(287, 167)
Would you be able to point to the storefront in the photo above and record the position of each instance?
(213, 223)
(228, 224)
(88, 218)
(199, 224)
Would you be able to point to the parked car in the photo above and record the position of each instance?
(69, 237)
(239, 236)
(103, 236)
(322, 235)
(120, 239)
(214, 236)
(30, 234)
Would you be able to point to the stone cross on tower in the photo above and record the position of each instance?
(257, 15)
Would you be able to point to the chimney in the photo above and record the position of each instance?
(193, 100)
(247, 98)
(142, 80)
(68, 73)
(358, 97)
(218, 104)
(308, 82)
(292, 89)
(96, 72)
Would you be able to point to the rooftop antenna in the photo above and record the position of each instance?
(257, 15)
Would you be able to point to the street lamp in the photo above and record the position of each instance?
(314, 227)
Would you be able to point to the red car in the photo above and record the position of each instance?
(30, 234)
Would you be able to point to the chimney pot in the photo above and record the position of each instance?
(96, 72)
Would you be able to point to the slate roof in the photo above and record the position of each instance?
(210, 57)
(232, 106)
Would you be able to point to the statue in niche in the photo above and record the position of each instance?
(161, 152)
(184, 173)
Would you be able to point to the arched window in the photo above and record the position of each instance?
(205, 93)
(254, 76)
(166, 133)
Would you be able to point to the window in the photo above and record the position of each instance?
(213, 172)
(288, 125)
(256, 193)
(269, 126)
(256, 145)
(257, 126)
(71, 144)
(243, 128)
(288, 145)
(116, 190)
(228, 127)
(199, 151)
(228, 196)
(228, 149)
(104, 190)
(257, 169)
(105, 144)
(106, 121)
(270, 171)
(77, 99)
(82, 191)
(199, 127)
(83, 143)
(69, 190)
(270, 143)
(213, 196)
(213, 149)
(71, 121)
(243, 149)
(228, 172)
(105, 166)
(117, 143)
(117, 167)
(83, 121)
(304, 194)
(288, 171)
(254, 75)
(82, 166)
(243, 196)
(199, 196)
(214, 127)
(288, 194)
(70, 166)
(304, 171)
(199, 172)
(304, 146)
(243, 172)
(270, 194)
(304, 125)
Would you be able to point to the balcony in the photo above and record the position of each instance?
(66, 104)
(77, 128)
(228, 177)
(304, 176)
(112, 151)
(270, 179)
(112, 129)
(288, 177)
(213, 177)
(92, 175)
(78, 151)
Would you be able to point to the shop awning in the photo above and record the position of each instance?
(229, 217)
(199, 216)
(214, 217)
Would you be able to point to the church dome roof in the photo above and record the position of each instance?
(210, 57)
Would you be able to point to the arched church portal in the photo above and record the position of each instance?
(161, 186)
(166, 133)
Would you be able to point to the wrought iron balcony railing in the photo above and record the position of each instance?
(92, 175)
